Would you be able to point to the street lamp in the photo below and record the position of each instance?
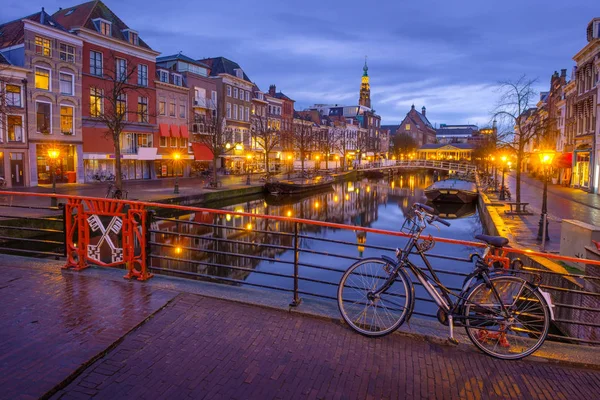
(176, 158)
(291, 166)
(317, 163)
(546, 158)
(248, 158)
(495, 167)
(53, 154)
(502, 191)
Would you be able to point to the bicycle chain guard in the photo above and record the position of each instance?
(426, 244)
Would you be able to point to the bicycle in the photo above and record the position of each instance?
(3, 183)
(505, 316)
(114, 193)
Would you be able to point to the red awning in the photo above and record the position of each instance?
(174, 131)
(184, 131)
(202, 152)
(164, 130)
(564, 160)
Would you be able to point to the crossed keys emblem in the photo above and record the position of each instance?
(115, 226)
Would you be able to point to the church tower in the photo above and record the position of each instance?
(365, 88)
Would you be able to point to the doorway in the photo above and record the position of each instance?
(16, 169)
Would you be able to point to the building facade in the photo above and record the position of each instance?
(418, 126)
(50, 95)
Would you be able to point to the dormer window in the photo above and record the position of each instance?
(163, 76)
(239, 73)
(177, 80)
(103, 26)
(131, 36)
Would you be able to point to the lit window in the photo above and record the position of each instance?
(43, 46)
(142, 109)
(182, 142)
(121, 104)
(163, 141)
(96, 63)
(66, 120)
(121, 69)
(133, 38)
(96, 103)
(42, 78)
(43, 111)
(66, 84)
(407, 127)
(142, 75)
(15, 128)
(173, 142)
(162, 107)
(105, 28)
(13, 95)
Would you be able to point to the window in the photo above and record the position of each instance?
(177, 80)
(241, 94)
(163, 141)
(247, 114)
(42, 78)
(96, 102)
(43, 111)
(228, 110)
(228, 90)
(121, 69)
(66, 83)
(235, 111)
(142, 109)
(247, 96)
(172, 109)
(142, 75)
(407, 127)
(15, 128)
(164, 76)
(66, 120)
(13, 95)
(104, 28)
(133, 38)
(122, 104)
(173, 142)
(96, 63)
(162, 107)
(235, 92)
(213, 96)
(182, 142)
(43, 46)
(182, 110)
(67, 53)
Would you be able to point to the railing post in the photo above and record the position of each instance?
(148, 236)
(297, 300)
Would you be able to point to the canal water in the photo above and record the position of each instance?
(206, 244)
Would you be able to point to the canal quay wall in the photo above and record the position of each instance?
(589, 305)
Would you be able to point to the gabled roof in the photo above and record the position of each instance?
(181, 57)
(11, 33)
(222, 65)
(282, 96)
(3, 60)
(424, 119)
(83, 16)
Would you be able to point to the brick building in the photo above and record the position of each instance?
(418, 126)
(113, 52)
(49, 97)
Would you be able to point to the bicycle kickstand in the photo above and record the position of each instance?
(451, 338)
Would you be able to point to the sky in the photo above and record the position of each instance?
(448, 56)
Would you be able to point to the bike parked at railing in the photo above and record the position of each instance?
(113, 192)
(504, 315)
(3, 183)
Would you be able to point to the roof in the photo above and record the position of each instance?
(282, 96)
(392, 128)
(435, 146)
(3, 60)
(455, 131)
(424, 119)
(82, 16)
(12, 32)
(181, 57)
(222, 65)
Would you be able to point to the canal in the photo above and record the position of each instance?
(248, 250)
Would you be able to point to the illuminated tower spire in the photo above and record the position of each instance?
(365, 88)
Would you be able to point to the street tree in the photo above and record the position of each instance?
(403, 143)
(344, 144)
(120, 83)
(266, 136)
(519, 120)
(303, 136)
(329, 142)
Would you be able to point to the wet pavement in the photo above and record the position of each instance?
(58, 324)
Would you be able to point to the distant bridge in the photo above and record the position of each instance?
(428, 164)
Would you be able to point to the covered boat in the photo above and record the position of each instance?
(452, 191)
(299, 186)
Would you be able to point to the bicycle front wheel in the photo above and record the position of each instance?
(511, 334)
(365, 312)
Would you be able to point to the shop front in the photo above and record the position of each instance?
(60, 158)
(102, 167)
(581, 169)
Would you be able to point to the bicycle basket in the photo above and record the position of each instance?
(410, 226)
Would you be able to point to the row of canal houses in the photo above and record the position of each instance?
(57, 74)
(567, 116)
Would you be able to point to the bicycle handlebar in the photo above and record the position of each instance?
(431, 214)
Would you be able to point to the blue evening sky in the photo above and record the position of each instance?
(446, 55)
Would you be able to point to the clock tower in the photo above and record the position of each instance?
(365, 88)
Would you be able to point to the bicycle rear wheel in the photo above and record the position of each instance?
(368, 314)
(507, 336)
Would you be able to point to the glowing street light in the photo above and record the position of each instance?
(546, 158)
(176, 158)
(53, 154)
(502, 188)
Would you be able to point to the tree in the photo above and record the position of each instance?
(216, 136)
(329, 142)
(343, 144)
(108, 102)
(266, 136)
(403, 143)
(520, 120)
(303, 136)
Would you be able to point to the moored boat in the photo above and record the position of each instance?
(452, 191)
(298, 186)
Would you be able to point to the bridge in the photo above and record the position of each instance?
(464, 168)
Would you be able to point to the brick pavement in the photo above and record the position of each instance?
(203, 348)
(51, 323)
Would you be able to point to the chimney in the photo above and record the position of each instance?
(42, 16)
(563, 72)
(423, 110)
(272, 90)
(412, 107)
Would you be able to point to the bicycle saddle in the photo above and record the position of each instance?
(496, 241)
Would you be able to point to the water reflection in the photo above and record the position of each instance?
(233, 248)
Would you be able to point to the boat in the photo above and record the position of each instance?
(374, 174)
(298, 186)
(454, 210)
(452, 191)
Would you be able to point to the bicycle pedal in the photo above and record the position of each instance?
(453, 341)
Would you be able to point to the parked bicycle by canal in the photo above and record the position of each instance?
(504, 315)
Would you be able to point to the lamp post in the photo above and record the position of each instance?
(546, 158)
(176, 158)
(495, 167)
(53, 154)
(317, 162)
(502, 193)
(248, 158)
(291, 165)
